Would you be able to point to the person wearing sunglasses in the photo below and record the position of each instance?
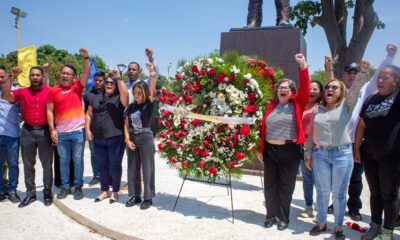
(329, 149)
(281, 147)
(379, 126)
(104, 125)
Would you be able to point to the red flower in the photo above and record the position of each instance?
(169, 143)
(162, 135)
(197, 86)
(178, 77)
(184, 164)
(235, 136)
(231, 78)
(232, 164)
(244, 130)
(166, 113)
(211, 72)
(188, 99)
(262, 63)
(252, 97)
(206, 143)
(209, 136)
(270, 72)
(172, 160)
(201, 164)
(183, 133)
(205, 154)
(178, 145)
(251, 62)
(159, 121)
(177, 135)
(196, 122)
(231, 146)
(195, 69)
(227, 138)
(174, 99)
(198, 151)
(170, 94)
(169, 131)
(160, 147)
(202, 72)
(251, 108)
(167, 124)
(240, 155)
(163, 91)
(163, 99)
(212, 170)
(183, 124)
(221, 77)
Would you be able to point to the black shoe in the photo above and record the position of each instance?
(63, 193)
(133, 201)
(269, 222)
(48, 199)
(95, 180)
(13, 197)
(330, 209)
(146, 204)
(27, 200)
(339, 235)
(282, 225)
(355, 216)
(2, 197)
(78, 194)
(315, 231)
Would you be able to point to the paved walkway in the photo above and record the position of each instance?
(203, 212)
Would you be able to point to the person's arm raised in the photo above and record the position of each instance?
(329, 68)
(86, 66)
(304, 77)
(152, 86)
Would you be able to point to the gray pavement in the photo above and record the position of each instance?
(203, 212)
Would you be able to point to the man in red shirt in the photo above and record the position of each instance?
(34, 134)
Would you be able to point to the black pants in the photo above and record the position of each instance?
(355, 188)
(383, 176)
(281, 163)
(57, 173)
(31, 141)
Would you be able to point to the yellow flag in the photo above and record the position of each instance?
(26, 60)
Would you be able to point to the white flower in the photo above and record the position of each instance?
(221, 97)
(229, 88)
(247, 76)
(212, 95)
(220, 61)
(235, 70)
(221, 86)
(210, 61)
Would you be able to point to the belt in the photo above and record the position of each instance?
(37, 127)
(141, 130)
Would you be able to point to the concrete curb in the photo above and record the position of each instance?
(98, 228)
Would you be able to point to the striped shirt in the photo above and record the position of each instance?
(281, 123)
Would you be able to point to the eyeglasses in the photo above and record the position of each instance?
(109, 83)
(334, 87)
(283, 88)
(66, 73)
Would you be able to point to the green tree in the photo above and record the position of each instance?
(332, 16)
(319, 75)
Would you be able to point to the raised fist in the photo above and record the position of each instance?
(149, 54)
(301, 60)
(391, 50)
(84, 52)
(364, 66)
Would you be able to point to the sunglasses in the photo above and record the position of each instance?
(109, 83)
(333, 87)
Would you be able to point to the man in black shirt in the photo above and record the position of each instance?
(99, 78)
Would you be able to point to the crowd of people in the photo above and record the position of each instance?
(333, 133)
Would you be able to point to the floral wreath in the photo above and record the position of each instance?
(233, 86)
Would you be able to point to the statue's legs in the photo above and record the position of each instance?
(254, 15)
(282, 12)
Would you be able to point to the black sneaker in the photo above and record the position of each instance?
(330, 209)
(339, 235)
(355, 216)
(146, 204)
(13, 197)
(63, 193)
(95, 180)
(2, 197)
(78, 194)
(316, 230)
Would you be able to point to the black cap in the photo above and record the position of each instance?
(352, 66)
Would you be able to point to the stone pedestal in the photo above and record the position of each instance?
(277, 45)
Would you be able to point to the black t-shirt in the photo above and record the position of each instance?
(139, 115)
(381, 115)
(87, 97)
(107, 120)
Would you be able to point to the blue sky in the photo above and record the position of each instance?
(119, 31)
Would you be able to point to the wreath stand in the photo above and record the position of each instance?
(228, 185)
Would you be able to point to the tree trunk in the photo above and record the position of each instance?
(332, 20)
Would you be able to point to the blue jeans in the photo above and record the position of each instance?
(93, 161)
(10, 145)
(332, 171)
(71, 145)
(110, 153)
(308, 183)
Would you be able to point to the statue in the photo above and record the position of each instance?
(254, 16)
